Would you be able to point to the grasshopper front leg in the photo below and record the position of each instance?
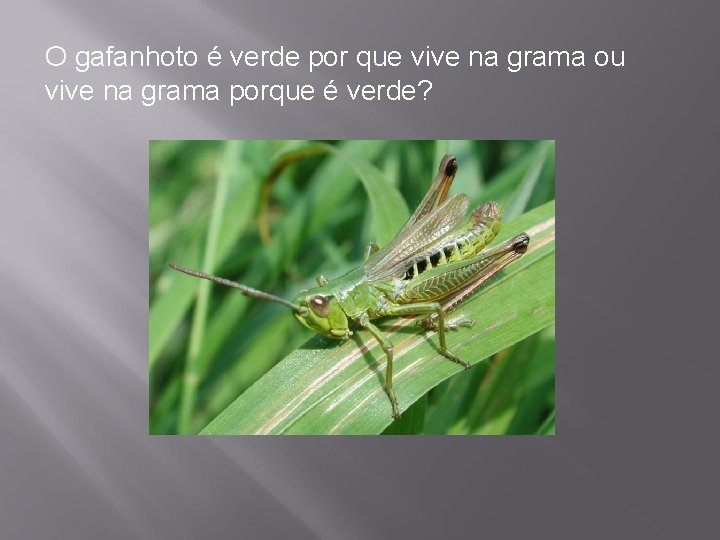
(385, 343)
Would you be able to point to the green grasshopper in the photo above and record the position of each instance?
(432, 264)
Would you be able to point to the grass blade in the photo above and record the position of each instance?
(192, 366)
(388, 208)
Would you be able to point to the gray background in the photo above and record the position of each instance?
(636, 450)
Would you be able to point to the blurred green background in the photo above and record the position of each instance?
(273, 215)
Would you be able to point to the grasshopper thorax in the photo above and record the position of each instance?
(322, 313)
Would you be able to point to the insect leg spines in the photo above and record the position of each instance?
(433, 309)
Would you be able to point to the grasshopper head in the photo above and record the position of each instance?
(322, 313)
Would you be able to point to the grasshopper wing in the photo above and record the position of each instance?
(438, 191)
(431, 229)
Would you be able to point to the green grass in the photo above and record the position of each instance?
(223, 363)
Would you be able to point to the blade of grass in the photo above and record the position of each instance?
(191, 376)
(441, 148)
(536, 392)
(496, 402)
(521, 195)
(388, 208)
(548, 426)
(168, 309)
(503, 187)
(456, 400)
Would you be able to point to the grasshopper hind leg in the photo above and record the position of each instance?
(441, 335)
(435, 312)
(416, 309)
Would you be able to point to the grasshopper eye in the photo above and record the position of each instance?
(320, 305)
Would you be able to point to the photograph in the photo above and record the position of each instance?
(354, 287)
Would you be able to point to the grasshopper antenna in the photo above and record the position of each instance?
(247, 291)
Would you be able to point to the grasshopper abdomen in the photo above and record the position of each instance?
(480, 230)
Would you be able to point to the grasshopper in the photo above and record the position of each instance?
(433, 263)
